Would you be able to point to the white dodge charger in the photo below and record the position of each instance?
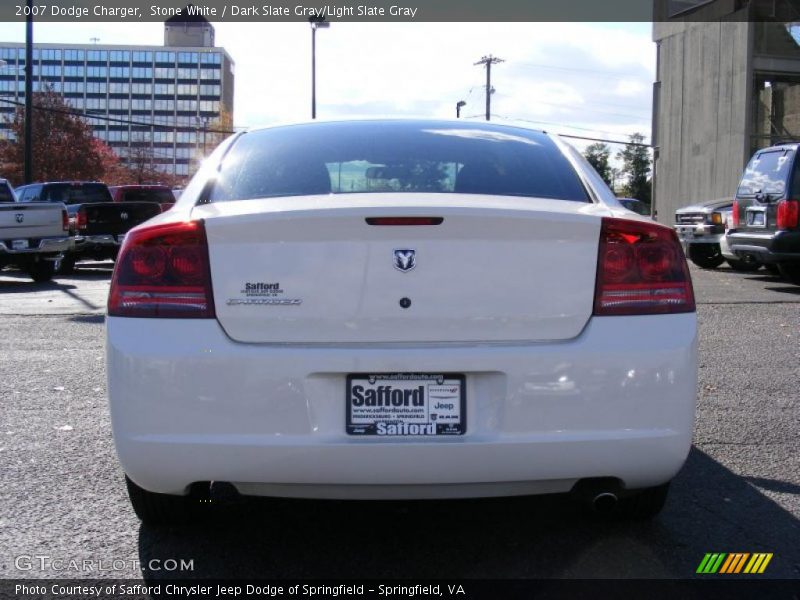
(400, 309)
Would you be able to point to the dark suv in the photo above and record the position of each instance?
(765, 225)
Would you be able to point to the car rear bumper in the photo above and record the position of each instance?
(45, 245)
(772, 247)
(188, 404)
(107, 240)
(698, 234)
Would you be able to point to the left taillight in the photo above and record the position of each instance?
(787, 217)
(641, 270)
(163, 271)
(81, 219)
(64, 219)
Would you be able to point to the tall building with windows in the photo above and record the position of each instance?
(149, 103)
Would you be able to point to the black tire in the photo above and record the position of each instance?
(159, 509)
(706, 256)
(42, 270)
(790, 273)
(744, 266)
(643, 504)
(67, 264)
(773, 269)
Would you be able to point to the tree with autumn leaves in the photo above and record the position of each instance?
(63, 145)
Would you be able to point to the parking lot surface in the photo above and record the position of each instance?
(63, 493)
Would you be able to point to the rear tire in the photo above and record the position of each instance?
(790, 273)
(67, 265)
(42, 270)
(644, 504)
(706, 256)
(159, 509)
(743, 266)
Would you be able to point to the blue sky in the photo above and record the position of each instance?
(592, 79)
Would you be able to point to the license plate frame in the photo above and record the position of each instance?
(20, 244)
(409, 418)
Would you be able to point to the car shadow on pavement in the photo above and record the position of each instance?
(710, 509)
(24, 285)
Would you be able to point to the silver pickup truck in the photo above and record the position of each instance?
(702, 228)
(32, 236)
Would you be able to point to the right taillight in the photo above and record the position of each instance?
(788, 214)
(64, 219)
(163, 271)
(641, 270)
(735, 214)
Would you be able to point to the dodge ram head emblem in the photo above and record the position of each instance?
(123, 216)
(405, 259)
(20, 217)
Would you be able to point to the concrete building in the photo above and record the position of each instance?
(149, 103)
(728, 82)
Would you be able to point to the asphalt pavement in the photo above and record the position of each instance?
(63, 495)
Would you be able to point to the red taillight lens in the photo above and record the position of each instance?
(64, 220)
(735, 214)
(788, 214)
(641, 270)
(163, 271)
(81, 221)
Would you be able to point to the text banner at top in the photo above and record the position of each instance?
(355, 11)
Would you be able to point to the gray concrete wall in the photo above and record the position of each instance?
(703, 113)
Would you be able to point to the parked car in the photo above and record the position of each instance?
(32, 238)
(400, 309)
(701, 229)
(637, 206)
(97, 223)
(161, 194)
(766, 223)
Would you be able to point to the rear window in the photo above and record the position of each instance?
(766, 173)
(160, 196)
(6, 195)
(81, 193)
(381, 157)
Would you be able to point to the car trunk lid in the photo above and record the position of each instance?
(313, 270)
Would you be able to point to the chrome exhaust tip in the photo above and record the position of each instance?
(604, 502)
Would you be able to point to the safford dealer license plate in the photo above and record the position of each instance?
(406, 404)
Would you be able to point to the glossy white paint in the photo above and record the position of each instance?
(190, 404)
(256, 398)
(494, 269)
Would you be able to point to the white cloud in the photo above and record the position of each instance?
(591, 78)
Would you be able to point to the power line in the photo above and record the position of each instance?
(595, 72)
(89, 115)
(555, 124)
(576, 137)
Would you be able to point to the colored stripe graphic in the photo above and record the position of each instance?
(711, 562)
(741, 557)
(758, 563)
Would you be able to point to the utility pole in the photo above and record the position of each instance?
(28, 156)
(489, 61)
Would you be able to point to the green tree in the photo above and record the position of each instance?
(598, 155)
(636, 166)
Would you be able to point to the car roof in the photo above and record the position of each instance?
(412, 122)
(136, 186)
(783, 146)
